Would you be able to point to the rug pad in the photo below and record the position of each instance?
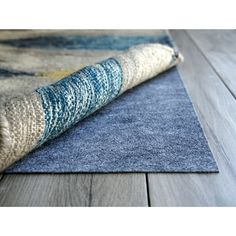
(151, 128)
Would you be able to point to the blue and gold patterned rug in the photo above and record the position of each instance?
(149, 128)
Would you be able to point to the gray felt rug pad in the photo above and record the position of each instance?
(151, 128)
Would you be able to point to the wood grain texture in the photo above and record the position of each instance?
(219, 47)
(214, 105)
(73, 190)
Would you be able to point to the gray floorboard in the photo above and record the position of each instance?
(73, 190)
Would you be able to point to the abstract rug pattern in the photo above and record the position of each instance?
(72, 123)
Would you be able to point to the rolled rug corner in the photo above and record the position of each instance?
(28, 121)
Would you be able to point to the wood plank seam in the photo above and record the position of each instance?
(90, 194)
(147, 188)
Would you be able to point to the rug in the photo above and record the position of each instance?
(150, 128)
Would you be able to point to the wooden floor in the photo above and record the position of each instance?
(209, 75)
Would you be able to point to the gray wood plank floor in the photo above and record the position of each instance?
(213, 104)
(208, 74)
